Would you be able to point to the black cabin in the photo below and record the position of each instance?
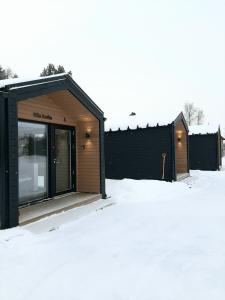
(205, 148)
(158, 152)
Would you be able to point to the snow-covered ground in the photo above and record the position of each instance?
(152, 240)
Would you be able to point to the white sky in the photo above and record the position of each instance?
(139, 55)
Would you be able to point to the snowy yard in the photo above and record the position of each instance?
(152, 240)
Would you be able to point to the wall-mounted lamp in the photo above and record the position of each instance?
(87, 135)
(179, 139)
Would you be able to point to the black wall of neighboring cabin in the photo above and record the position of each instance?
(203, 151)
(137, 154)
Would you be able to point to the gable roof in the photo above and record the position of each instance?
(21, 88)
(124, 122)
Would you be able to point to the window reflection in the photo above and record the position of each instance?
(32, 142)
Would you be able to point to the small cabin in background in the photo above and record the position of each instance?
(205, 147)
(140, 149)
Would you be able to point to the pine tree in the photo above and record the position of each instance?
(51, 69)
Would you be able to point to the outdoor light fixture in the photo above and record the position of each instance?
(87, 135)
(179, 139)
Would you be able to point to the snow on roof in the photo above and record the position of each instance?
(12, 81)
(139, 120)
(203, 129)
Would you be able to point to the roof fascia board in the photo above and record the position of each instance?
(70, 79)
(33, 81)
(41, 88)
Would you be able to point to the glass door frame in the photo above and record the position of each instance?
(51, 169)
(52, 156)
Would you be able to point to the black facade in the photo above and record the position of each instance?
(138, 153)
(205, 152)
(9, 96)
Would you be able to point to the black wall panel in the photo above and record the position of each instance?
(203, 152)
(137, 154)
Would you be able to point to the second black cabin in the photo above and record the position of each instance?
(205, 148)
(143, 152)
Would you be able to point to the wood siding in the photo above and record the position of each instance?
(64, 109)
(181, 148)
(88, 158)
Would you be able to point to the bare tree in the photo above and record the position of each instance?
(190, 112)
(193, 115)
(6, 73)
(200, 117)
(9, 73)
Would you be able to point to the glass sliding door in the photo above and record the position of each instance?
(33, 161)
(46, 165)
(63, 160)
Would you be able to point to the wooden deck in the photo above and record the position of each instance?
(55, 205)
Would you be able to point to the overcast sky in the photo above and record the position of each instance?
(141, 55)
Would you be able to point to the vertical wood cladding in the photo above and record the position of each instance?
(137, 154)
(203, 152)
(64, 110)
(181, 148)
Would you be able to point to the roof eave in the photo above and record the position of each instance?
(60, 82)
